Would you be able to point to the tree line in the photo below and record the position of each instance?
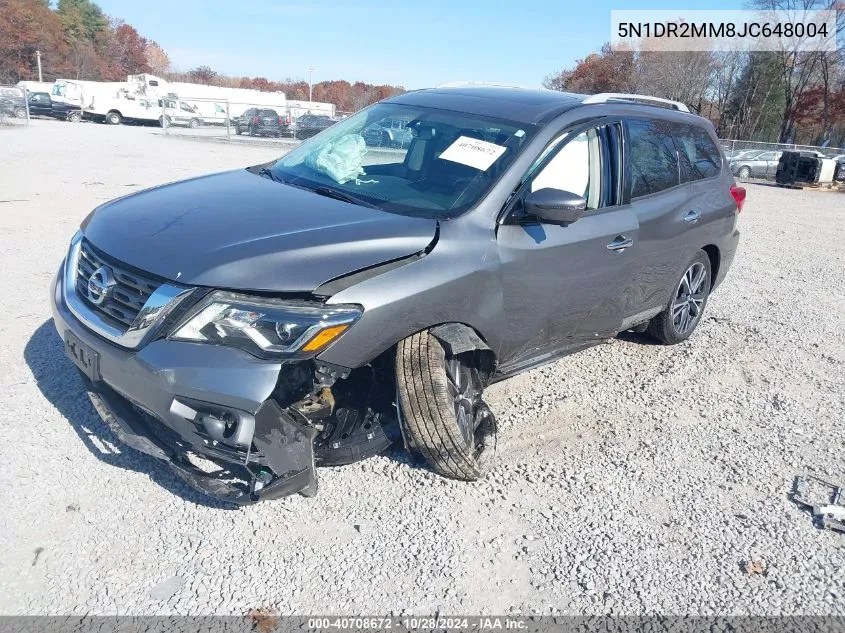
(347, 97)
(77, 40)
(784, 96)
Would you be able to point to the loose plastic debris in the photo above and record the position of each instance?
(823, 499)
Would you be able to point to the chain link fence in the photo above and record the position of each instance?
(225, 119)
(14, 107)
(735, 147)
(754, 160)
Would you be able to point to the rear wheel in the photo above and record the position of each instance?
(443, 415)
(113, 118)
(194, 124)
(683, 314)
(20, 113)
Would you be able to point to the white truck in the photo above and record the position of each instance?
(197, 104)
(298, 108)
(36, 86)
(98, 100)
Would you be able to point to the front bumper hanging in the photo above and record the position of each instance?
(283, 465)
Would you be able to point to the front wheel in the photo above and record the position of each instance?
(194, 124)
(744, 173)
(20, 113)
(443, 415)
(683, 314)
(113, 118)
(74, 117)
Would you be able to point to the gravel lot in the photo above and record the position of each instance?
(638, 478)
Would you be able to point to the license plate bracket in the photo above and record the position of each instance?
(83, 356)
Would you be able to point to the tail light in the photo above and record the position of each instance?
(281, 121)
(738, 194)
(256, 119)
(287, 120)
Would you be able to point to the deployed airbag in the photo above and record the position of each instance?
(341, 160)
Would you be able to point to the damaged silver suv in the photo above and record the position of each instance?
(247, 326)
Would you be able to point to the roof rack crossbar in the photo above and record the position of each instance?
(604, 97)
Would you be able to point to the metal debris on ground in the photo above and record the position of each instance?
(823, 499)
(755, 568)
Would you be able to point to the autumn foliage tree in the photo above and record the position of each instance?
(157, 59)
(25, 27)
(747, 95)
(606, 71)
(77, 40)
(202, 75)
(126, 53)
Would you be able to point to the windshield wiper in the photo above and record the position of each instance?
(266, 171)
(328, 192)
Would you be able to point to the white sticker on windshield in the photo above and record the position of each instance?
(473, 152)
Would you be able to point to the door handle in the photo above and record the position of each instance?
(692, 217)
(620, 244)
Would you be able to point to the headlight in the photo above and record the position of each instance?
(267, 328)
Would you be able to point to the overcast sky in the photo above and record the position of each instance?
(414, 44)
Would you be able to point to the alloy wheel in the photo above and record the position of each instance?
(689, 298)
(464, 387)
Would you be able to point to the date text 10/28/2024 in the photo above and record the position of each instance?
(416, 623)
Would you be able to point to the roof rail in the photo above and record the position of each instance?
(463, 84)
(604, 97)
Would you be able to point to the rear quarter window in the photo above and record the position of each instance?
(653, 157)
(700, 157)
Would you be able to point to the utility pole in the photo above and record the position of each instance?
(310, 86)
(38, 57)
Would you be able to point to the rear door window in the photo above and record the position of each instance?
(700, 158)
(652, 157)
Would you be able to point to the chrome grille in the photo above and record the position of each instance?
(126, 299)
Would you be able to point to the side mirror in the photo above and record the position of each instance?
(555, 206)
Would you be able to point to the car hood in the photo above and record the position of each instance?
(242, 231)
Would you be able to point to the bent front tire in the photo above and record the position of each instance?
(686, 306)
(443, 415)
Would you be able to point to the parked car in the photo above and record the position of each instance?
(12, 102)
(743, 154)
(310, 124)
(762, 165)
(395, 133)
(262, 122)
(271, 319)
(40, 104)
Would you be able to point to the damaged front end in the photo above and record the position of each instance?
(318, 415)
